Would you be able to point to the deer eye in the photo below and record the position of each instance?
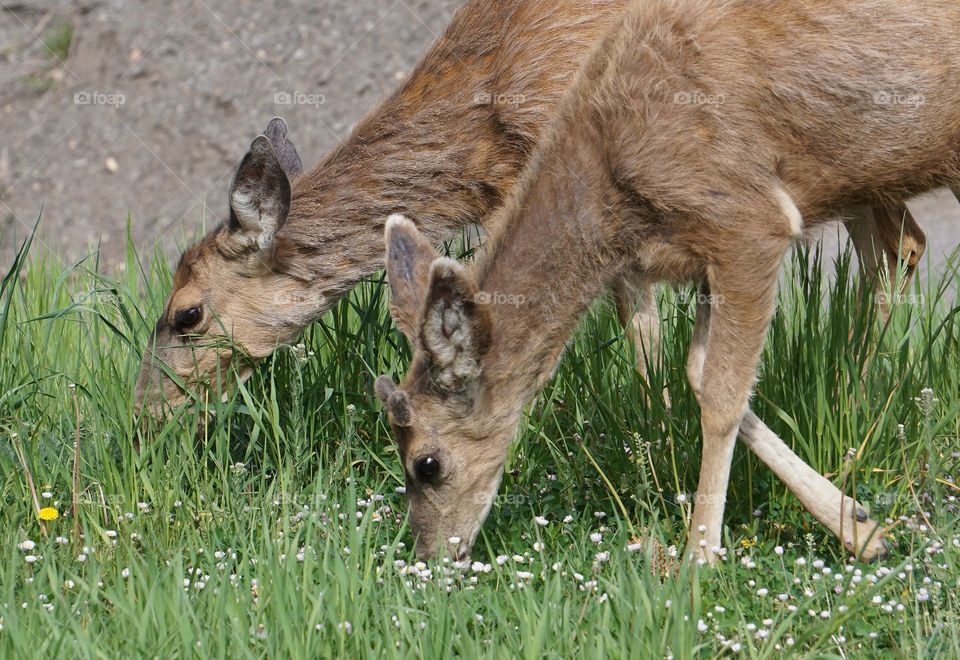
(187, 318)
(426, 468)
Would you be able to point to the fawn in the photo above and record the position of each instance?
(445, 149)
(810, 107)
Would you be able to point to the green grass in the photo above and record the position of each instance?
(57, 40)
(275, 528)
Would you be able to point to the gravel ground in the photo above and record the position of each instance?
(155, 103)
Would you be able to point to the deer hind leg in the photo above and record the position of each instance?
(637, 310)
(889, 244)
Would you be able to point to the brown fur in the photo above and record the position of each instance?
(629, 183)
(445, 149)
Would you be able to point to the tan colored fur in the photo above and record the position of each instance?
(445, 149)
(630, 183)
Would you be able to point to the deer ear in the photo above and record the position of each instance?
(408, 267)
(259, 196)
(276, 132)
(394, 400)
(456, 326)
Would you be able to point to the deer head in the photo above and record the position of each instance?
(452, 441)
(212, 313)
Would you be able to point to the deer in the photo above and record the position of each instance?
(631, 185)
(445, 149)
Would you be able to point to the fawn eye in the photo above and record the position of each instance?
(426, 468)
(187, 318)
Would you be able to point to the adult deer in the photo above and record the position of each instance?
(633, 184)
(445, 149)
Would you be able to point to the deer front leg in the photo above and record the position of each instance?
(637, 310)
(816, 493)
(842, 515)
(728, 339)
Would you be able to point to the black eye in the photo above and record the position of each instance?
(426, 468)
(187, 318)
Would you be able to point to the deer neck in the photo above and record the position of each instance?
(549, 257)
(445, 149)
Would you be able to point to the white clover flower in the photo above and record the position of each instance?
(540, 520)
(30, 558)
(125, 573)
(602, 556)
(27, 545)
(596, 537)
(567, 519)
(779, 550)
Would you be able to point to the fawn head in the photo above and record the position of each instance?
(453, 441)
(218, 305)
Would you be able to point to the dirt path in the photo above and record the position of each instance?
(154, 104)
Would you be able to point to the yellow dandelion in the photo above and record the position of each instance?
(48, 513)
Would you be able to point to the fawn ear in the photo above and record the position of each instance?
(394, 400)
(259, 196)
(276, 132)
(408, 267)
(456, 326)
